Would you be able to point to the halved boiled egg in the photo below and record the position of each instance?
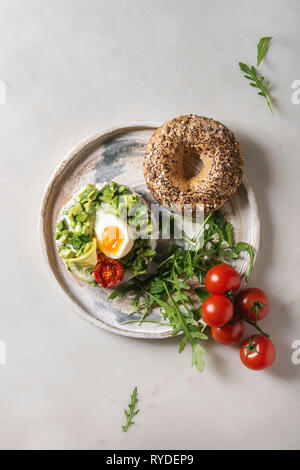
(115, 237)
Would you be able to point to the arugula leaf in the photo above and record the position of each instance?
(120, 291)
(257, 82)
(262, 48)
(197, 353)
(182, 344)
(202, 293)
(130, 413)
(219, 218)
(243, 246)
(156, 286)
(188, 326)
(229, 234)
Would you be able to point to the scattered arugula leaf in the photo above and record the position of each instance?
(257, 82)
(262, 48)
(131, 412)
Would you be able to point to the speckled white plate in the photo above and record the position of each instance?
(117, 154)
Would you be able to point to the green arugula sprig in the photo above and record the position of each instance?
(131, 412)
(262, 48)
(168, 287)
(257, 82)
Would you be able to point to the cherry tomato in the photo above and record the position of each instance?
(108, 273)
(221, 279)
(217, 310)
(258, 352)
(230, 333)
(252, 303)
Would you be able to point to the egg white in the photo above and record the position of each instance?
(103, 221)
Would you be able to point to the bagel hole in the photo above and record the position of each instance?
(192, 164)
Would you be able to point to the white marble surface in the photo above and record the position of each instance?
(72, 67)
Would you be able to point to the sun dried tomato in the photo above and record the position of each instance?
(108, 272)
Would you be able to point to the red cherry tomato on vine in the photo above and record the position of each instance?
(217, 310)
(258, 352)
(230, 333)
(221, 279)
(252, 303)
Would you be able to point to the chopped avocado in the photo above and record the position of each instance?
(106, 194)
(123, 190)
(62, 225)
(78, 228)
(67, 253)
(113, 186)
(115, 202)
(92, 196)
(64, 236)
(75, 241)
(86, 238)
(130, 199)
(87, 247)
(84, 230)
(81, 217)
(80, 252)
(89, 207)
(88, 190)
(74, 211)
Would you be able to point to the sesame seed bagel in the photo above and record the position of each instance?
(171, 172)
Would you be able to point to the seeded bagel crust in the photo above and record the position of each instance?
(174, 142)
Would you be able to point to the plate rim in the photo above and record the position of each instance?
(75, 150)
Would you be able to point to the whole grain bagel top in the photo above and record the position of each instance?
(171, 154)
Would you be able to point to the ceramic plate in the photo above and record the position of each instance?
(117, 154)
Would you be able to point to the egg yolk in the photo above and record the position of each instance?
(111, 240)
